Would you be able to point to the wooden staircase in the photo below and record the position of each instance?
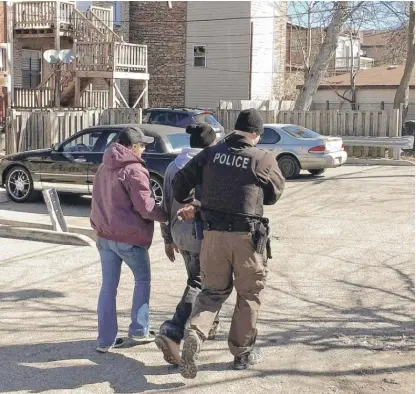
(100, 52)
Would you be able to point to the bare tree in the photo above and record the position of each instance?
(325, 54)
(402, 93)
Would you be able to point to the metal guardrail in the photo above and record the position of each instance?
(381, 142)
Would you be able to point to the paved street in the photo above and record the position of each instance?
(338, 313)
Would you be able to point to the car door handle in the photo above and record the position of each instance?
(80, 160)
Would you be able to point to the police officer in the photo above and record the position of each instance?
(237, 179)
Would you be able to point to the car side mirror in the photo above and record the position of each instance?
(55, 147)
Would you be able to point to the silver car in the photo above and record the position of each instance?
(298, 148)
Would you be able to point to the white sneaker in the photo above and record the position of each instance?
(104, 349)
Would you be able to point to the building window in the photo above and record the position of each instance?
(200, 56)
(31, 68)
(117, 13)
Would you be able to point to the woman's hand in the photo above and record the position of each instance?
(186, 213)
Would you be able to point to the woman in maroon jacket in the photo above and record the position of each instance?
(123, 215)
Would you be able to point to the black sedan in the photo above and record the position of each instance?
(70, 166)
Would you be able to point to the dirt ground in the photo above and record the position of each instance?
(338, 312)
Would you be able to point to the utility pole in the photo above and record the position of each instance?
(58, 49)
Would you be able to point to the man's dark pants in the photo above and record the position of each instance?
(175, 327)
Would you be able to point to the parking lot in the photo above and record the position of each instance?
(338, 313)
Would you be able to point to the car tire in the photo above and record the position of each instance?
(289, 166)
(156, 186)
(19, 185)
(317, 172)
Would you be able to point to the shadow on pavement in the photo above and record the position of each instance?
(29, 294)
(71, 365)
(72, 205)
(385, 324)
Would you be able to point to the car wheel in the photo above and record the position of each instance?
(289, 166)
(19, 184)
(156, 185)
(316, 172)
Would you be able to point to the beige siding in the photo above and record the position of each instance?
(262, 13)
(226, 75)
(367, 99)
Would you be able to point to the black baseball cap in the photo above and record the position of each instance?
(130, 136)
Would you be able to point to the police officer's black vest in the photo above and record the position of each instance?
(230, 184)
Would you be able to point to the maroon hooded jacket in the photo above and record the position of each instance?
(123, 208)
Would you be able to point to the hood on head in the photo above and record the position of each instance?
(118, 156)
(186, 155)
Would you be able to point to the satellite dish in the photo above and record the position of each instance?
(51, 56)
(66, 56)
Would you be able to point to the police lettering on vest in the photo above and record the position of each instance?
(232, 160)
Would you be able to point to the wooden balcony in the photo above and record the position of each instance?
(111, 60)
(39, 18)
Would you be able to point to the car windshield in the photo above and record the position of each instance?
(300, 132)
(179, 141)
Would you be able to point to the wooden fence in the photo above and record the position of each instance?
(37, 129)
(385, 123)
(260, 105)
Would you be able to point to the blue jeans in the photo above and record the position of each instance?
(112, 254)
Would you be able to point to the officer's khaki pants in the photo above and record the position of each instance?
(222, 254)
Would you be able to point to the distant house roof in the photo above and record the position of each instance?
(372, 78)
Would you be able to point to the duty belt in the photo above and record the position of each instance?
(238, 227)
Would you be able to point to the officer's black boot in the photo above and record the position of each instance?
(244, 361)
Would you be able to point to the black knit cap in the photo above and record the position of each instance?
(131, 135)
(250, 121)
(202, 135)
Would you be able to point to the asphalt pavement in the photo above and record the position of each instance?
(338, 312)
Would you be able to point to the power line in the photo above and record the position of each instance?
(284, 15)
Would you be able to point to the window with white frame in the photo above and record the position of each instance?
(117, 13)
(200, 56)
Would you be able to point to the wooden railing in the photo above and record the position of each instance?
(130, 57)
(101, 26)
(84, 30)
(66, 14)
(104, 14)
(48, 82)
(33, 98)
(111, 57)
(93, 56)
(94, 99)
(34, 14)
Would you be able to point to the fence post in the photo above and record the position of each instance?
(395, 132)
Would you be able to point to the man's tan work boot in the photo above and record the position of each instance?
(169, 348)
(191, 348)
